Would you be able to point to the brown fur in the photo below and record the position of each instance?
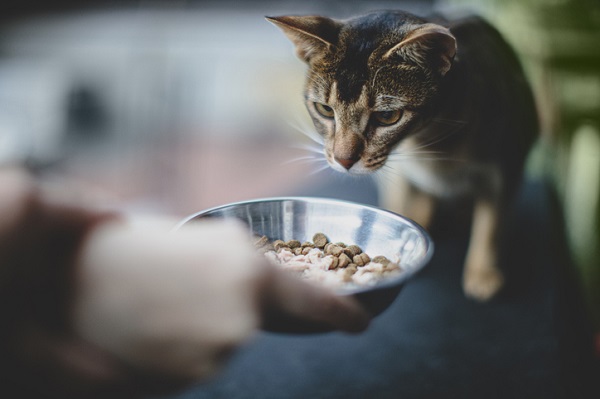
(467, 115)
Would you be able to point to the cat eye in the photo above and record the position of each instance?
(386, 118)
(324, 110)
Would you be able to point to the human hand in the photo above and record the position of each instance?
(177, 303)
(149, 310)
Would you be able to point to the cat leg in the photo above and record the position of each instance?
(405, 199)
(481, 277)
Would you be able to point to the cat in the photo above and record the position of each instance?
(449, 96)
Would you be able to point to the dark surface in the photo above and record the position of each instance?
(531, 341)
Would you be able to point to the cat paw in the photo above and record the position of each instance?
(481, 284)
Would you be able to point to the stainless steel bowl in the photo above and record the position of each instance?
(376, 231)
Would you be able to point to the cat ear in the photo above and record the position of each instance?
(427, 44)
(312, 35)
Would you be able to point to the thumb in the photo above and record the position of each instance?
(296, 306)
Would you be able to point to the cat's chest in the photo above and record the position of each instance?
(438, 178)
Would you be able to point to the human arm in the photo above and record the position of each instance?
(137, 308)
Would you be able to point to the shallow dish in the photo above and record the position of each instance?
(376, 231)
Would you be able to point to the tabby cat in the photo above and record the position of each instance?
(449, 96)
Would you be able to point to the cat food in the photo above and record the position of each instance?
(336, 265)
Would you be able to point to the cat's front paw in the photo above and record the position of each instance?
(482, 280)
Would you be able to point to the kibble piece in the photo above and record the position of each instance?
(361, 259)
(278, 244)
(261, 241)
(344, 260)
(358, 260)
(391, 266)
(327, 257)
(334, 263)
(347, 277)
(320, 240)
(349, 272)
(293, 244)
(351, 269)
(381, 259)
(352, 250)
(333, 249)
(366, 258)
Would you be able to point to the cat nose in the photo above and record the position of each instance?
(346, 162)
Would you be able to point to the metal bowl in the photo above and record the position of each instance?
(376, 231)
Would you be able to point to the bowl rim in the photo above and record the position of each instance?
(385, 283)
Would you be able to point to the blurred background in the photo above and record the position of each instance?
(176, 106)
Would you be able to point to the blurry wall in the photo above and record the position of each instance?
(150, 70)
(167, 105)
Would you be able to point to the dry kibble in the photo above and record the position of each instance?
(347, 277)
(352, 250)
(381, 259)
(320, 260)
(278, 244)
(358, 260)
(344, 260)
(391, 266)
(293, 244)
(349, 272)
(334, 263)
(333, 249)
(320, 240)
(261, 241)
(366, 258)
(361, 259)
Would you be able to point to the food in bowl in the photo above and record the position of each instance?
(336, 265)
(376, 231)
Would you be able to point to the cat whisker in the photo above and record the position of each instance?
(435, 139)
(443, 134)
(390, 173)
(306, 159)
(319, 170)
(418, 157)
(320, 163)
(311, 134)
(414, 153)
(386, 175)
(390, 170)
(413, 156)
(309, 148)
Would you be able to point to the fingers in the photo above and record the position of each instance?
(293, 305)
(173, 303)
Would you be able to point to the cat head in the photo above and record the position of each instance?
(372, 81)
